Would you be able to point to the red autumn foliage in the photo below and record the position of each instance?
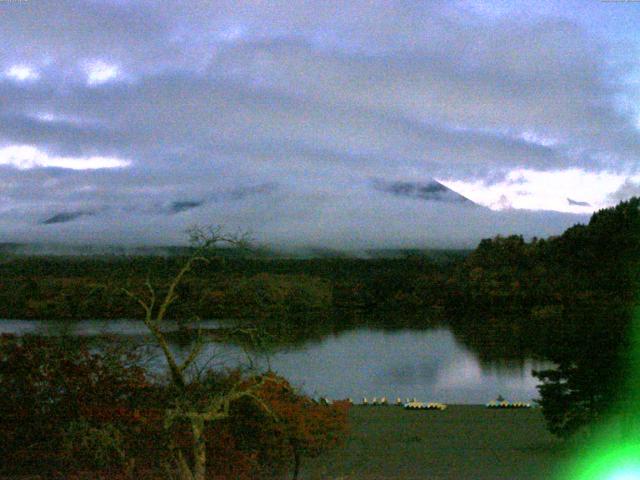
(312, 426)
(292, 427)
(48, 385)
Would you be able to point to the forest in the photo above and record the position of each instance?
(540, 291)
(569, 299)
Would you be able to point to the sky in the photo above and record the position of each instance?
(309, 123)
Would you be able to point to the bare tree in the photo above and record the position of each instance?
(216, 405)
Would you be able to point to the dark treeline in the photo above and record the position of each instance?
(92, 287)
(506, 298)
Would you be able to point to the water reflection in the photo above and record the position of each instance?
(428, 364)
(87, 328)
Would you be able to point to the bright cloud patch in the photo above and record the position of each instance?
(232, 33)
(21, 73)
(572, 190)
(533, 137)
(26, 157)
(100, 72)
(55, 117)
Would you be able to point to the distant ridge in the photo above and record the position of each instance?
(64, 217)
(64, 250)
(431, 190)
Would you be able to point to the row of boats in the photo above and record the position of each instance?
(414, 404)
(505, 404)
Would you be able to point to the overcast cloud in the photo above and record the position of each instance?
(128, 121)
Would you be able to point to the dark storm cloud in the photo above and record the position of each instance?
(60, 135)
(218, 115)
(274, 116)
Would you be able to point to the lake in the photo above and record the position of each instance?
(429, 364)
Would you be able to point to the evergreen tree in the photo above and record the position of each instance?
(595, 270)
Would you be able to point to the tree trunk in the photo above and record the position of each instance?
(296, 463)
(184, 472)
(199, 449)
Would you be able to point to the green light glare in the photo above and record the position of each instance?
(617, 463)
(612, 454)
(633, 474)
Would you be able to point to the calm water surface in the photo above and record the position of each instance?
(427, 364)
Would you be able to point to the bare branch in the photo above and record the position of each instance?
(202, 241)
(139, 300)
(193, 354)
(176, 374)
(183, 467)
(264, 405)
(152, 294)
(171, 296)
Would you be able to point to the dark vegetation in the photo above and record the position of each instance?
(91, 287)
(569, 299)
(67, 412)
(70, 411)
